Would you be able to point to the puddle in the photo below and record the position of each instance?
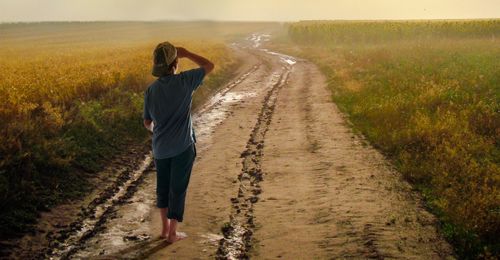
(283, 57)
(257, 39)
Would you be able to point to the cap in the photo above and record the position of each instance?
(165, 53)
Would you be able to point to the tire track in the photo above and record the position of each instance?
(238, 232)
(94, 216)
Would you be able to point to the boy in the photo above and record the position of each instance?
(167, 113)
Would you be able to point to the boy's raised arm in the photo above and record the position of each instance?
(207, 65)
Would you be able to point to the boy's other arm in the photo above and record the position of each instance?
(207, 65)
(148, 124)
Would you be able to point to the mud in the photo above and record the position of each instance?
(61, 231)
(238, 232)
(130, 225)
(93, 218)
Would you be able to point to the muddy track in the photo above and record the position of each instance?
(238, 232)
(94, 216)
(67, 224)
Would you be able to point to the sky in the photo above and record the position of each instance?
(244, 10)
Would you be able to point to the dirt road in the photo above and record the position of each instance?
(285, 177)
(279, 174)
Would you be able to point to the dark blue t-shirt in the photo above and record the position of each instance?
(167, 102)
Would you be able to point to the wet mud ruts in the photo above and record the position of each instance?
(238, 232)
(92, 219)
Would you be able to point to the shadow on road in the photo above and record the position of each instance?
(140, 251)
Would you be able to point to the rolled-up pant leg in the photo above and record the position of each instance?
(179, 173)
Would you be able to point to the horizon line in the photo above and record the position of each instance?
(245, 21)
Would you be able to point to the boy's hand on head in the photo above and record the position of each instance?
(207, 65)
(181, 52)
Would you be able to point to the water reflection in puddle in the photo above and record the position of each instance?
(257, 39)
(283, 57)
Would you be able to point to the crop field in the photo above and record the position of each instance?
(71, 95)
(426, 93)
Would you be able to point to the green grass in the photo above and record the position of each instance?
(431, 103)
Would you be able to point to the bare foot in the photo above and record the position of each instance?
(178, 236)
(164, 234)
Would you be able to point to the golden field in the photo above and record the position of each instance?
(72, 98)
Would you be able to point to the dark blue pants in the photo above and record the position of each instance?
(172, 179)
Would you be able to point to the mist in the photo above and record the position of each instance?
(238, 10)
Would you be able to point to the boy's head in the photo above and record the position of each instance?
(164, 59)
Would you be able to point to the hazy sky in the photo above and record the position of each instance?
(271, 10)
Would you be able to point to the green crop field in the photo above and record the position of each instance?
(426, 93)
